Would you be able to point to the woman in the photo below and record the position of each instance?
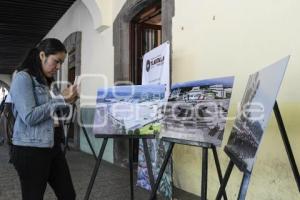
(36, 152)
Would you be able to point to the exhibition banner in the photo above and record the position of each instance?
(156, 66)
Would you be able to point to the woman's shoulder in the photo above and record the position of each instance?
(22, 74)
(21, 78)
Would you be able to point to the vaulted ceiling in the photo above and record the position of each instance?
(23, 23)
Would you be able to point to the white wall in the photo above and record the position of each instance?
(96, 59)
(96, 50)
(117, 6)
(236, 37)
(214, 38)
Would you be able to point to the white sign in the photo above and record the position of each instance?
(156, 66)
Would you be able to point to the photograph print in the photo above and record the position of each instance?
(254, 113)
(196, 111)
(132, 109)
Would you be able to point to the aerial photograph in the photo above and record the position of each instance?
(197, 110)
(129, 110)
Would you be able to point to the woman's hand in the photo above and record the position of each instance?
(70, 94)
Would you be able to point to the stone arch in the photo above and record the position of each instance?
(100, 19)
(73, 45)
(121, 32)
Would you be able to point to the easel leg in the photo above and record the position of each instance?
(87, 137)
(89, 141)
(204, 173)
(225, 180)
(66, 130)
(149, 164)
(287, 144)
(96, 168)
(131, 167)
(244, 186)
(217, 162)
(66, 145)
(161, 171)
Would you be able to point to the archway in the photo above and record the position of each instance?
(121, 31)
(121, 42)
(100, 12)
(72, 69)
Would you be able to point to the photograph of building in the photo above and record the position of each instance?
(197, 111)
(248, 128)
(129, 110)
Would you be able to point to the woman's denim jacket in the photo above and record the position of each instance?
(33, 108)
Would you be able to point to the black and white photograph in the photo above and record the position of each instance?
(253, 116)
(196, 111)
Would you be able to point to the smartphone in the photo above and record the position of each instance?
(76, 81)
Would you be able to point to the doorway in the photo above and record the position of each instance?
(145, 34)
(146, 23)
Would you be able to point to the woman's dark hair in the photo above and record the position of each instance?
(32, 62)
